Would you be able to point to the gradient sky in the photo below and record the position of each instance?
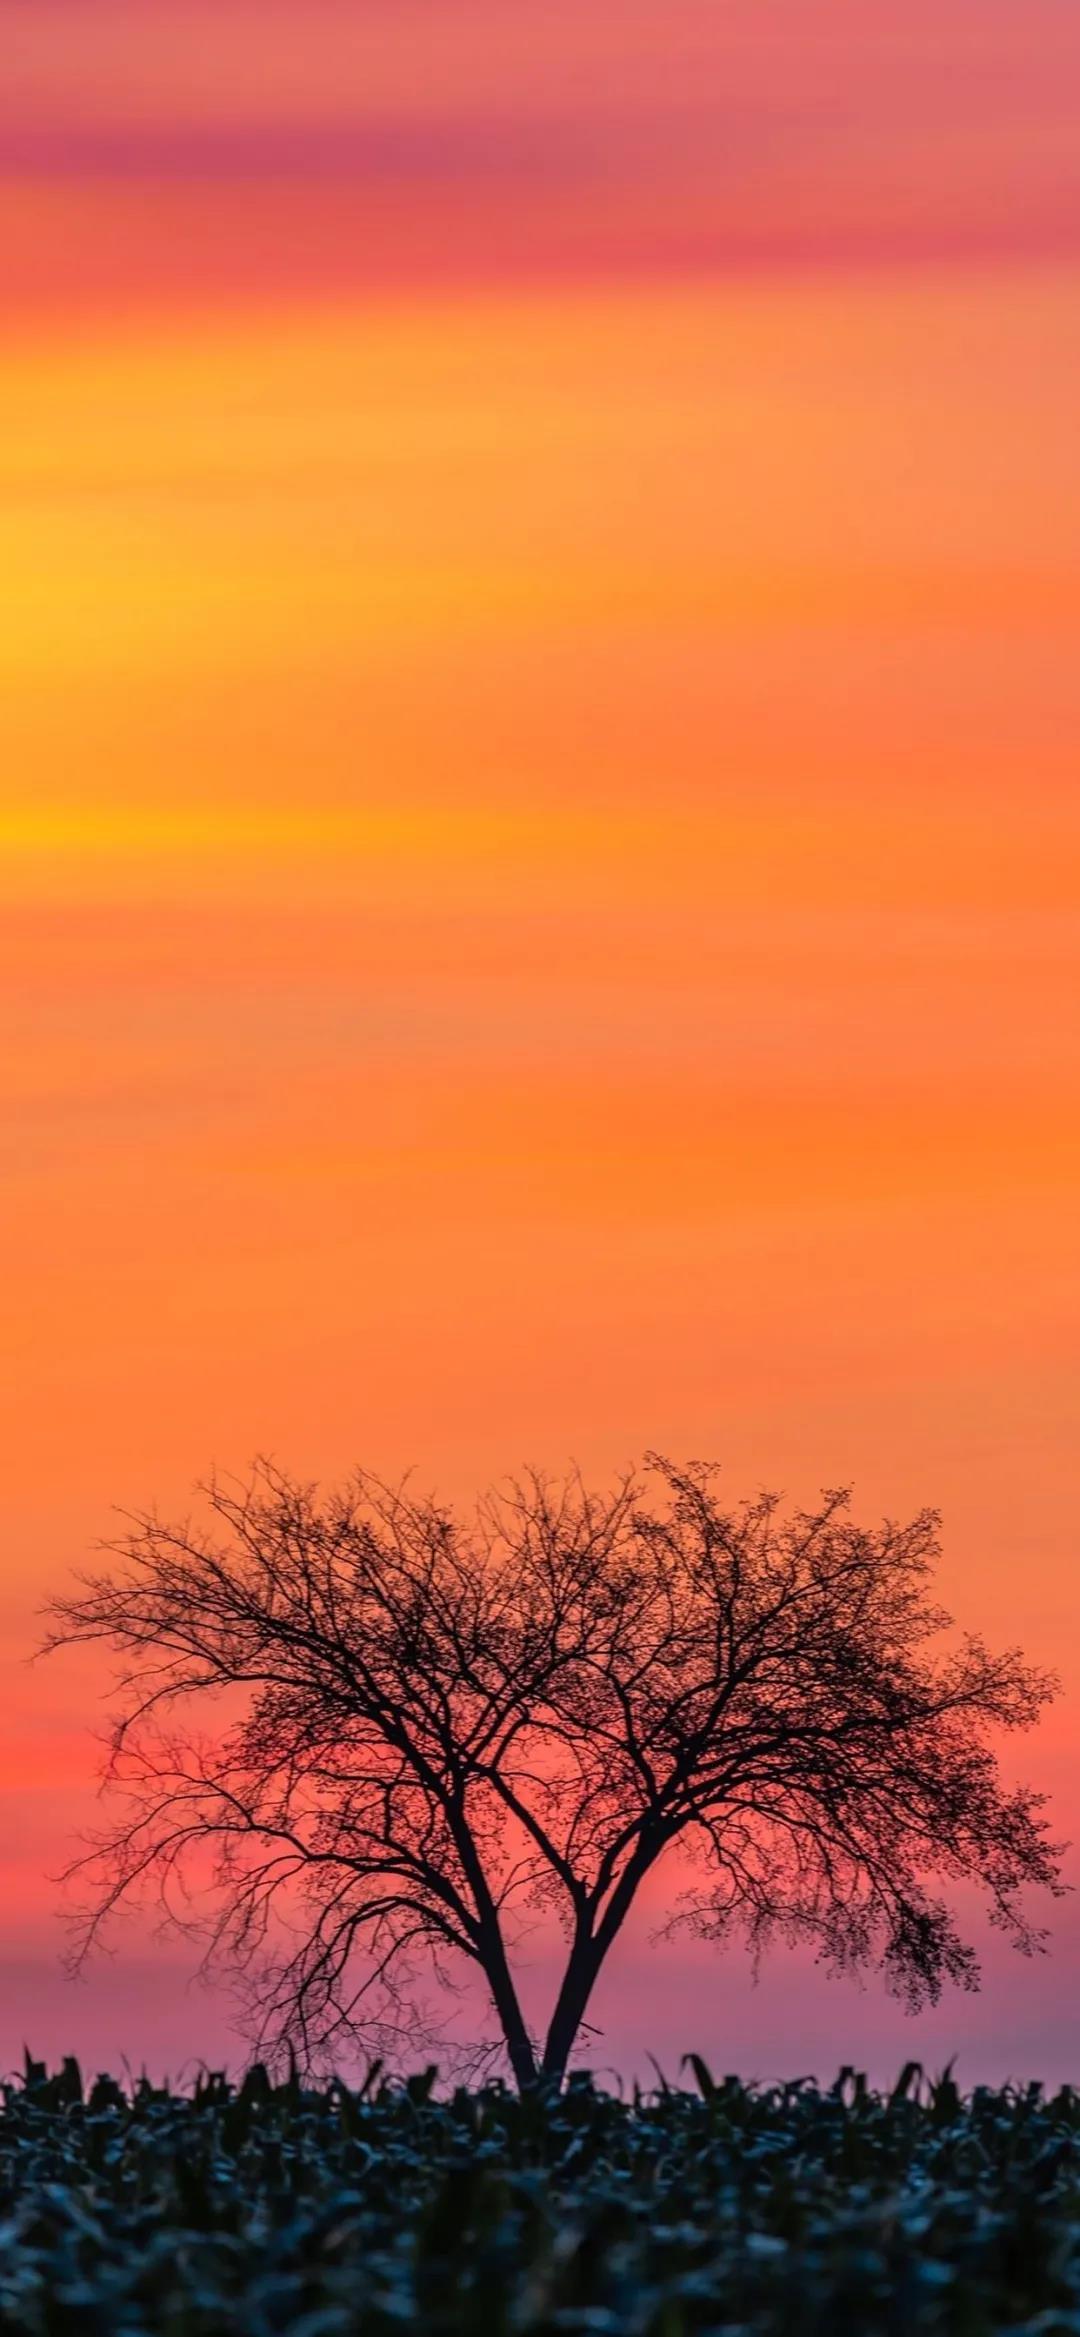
(538, 734)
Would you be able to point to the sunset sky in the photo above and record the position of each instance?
(539, 826)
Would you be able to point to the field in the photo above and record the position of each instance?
(264, 2207)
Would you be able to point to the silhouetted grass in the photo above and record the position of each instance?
(268, 2207)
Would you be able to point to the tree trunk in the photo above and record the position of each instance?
(579, 1981)
(491, 1954)
(586, 1957)
(522, 2057)
(504, 1998)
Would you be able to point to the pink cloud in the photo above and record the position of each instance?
(153, 156)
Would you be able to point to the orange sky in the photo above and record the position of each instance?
(538, 827)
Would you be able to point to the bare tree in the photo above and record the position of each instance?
(428, 1728)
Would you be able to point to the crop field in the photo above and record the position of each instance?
(266, 2207)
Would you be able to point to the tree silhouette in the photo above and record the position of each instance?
(429, 1728)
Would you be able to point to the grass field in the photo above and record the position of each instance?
(264, 2207)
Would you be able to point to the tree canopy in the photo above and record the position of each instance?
(428, 1728)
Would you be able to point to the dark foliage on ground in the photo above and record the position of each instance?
(270, 2207)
